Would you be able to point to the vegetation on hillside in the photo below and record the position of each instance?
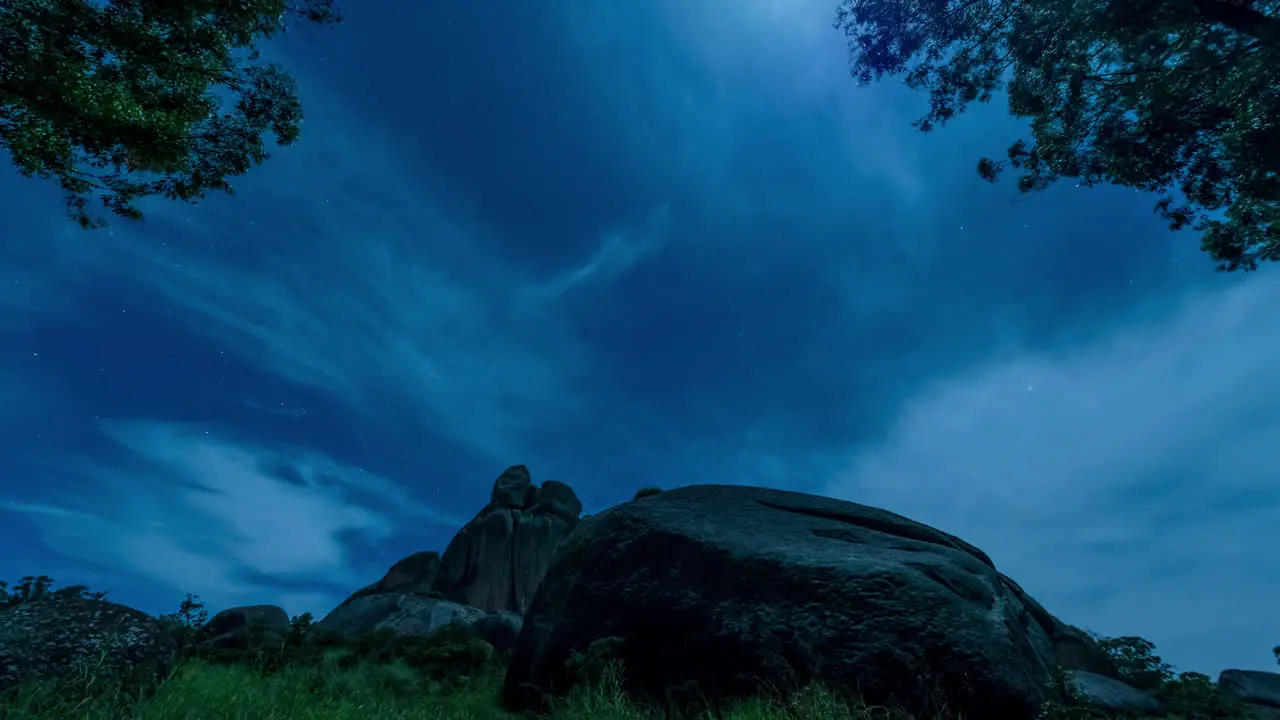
(454, 676)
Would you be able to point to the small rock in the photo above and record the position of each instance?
(1112, 695)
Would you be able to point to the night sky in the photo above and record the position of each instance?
(629, 244)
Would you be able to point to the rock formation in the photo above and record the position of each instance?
(705, 593)
(400, 613)
(241, 627)
(1259, 691)
(57, 637)
(498, 559)
(736, 588)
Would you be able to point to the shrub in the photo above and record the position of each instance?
(1136, 660)
(646, 492)
(1193, 696)
(183, 625)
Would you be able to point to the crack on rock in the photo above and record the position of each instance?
(888, 527)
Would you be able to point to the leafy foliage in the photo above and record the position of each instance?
(186, 622)
(1177, 97)
(1193, 696)
(121, 97)
(1136, 660)
(1186, 696)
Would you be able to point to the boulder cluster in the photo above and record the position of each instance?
(706, 593)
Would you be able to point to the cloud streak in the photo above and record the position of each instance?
(193, 511)
(1127, 480)
(387, 300)
(618, 252)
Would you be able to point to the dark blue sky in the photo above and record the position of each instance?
(634, 244)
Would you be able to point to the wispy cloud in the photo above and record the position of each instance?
(1128, 481)
(194, 511)
(618, 252)
(388, 299)
(26, 508)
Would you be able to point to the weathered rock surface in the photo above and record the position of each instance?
(244, 627)
(414, 574)
(1112, 695)
(737, 588)
(60, 638)
(1252, 686)
(498, 559)
(499, 628)
(1073, 648)
(401, 613)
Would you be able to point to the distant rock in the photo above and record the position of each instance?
(399, 613)
(1256, 687)
(734, 588)
(1113, 696)
(58, 637)
(244, 627)
(498, 559)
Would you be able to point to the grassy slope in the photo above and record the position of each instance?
(203, 691)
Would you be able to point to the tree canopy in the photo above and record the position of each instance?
(1177, 97)
(124, 98)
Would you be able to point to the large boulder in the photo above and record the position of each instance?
(59, 638)
(243, 628)
(1256, 687)
(730, 589)
(498, 559)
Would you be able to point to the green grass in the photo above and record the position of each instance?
(200, 690)
(338, 684)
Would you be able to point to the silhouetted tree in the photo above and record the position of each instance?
(1178, 97)
(120, 97)
(32, 588)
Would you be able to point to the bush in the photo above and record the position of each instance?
(1136, 660)
(1193, 696)
(646, 492)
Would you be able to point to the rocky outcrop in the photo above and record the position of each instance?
(498, 559)
(414, 574)
(1112, 696)
(1252, 686)
(733, 588)
(1073, 649)
(64, 637)
(399, 613)
(243, 627)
